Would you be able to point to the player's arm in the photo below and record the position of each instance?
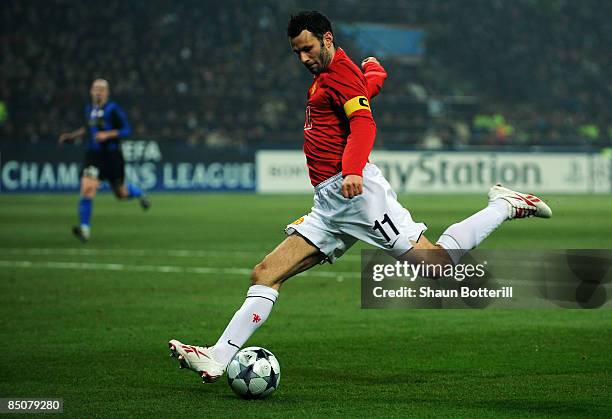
(119, 120)
(358, 147)
(72, 135)
(351, 94)
(375, 75)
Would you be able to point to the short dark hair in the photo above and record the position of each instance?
(311, 20)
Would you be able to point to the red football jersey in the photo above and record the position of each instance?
(339, 129)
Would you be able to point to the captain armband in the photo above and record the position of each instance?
(355, 104)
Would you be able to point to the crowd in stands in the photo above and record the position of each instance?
(520, 73)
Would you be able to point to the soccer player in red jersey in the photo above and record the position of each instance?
(353, 201)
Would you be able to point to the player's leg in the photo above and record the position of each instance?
(376, 217)
(504, 204)
(130, 191)
(425, 251)
(458, 238)
(294, 255)
(121, 189)
(311, 240)
(89, 187)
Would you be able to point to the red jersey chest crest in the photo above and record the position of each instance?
(317, 97)
(313, 88)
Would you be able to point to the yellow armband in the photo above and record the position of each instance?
(355, 104)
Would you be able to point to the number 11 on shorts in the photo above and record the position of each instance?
(386, 220)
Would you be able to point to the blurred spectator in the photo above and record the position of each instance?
(221, 73)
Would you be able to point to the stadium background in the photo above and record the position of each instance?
(521, 88)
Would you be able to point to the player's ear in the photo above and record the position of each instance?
(328, 39)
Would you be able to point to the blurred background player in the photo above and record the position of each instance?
(353, 201)
(106, 124)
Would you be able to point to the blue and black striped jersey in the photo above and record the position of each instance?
(107, 117)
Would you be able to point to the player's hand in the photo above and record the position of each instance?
(367, 60)
(352, 185)
(102, 136)
(66, 136)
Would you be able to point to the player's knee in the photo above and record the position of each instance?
(88, 192)
(438, 258)
(119, 193)
(119, 190)
(433, 257)
(89, 186)
(260, 275)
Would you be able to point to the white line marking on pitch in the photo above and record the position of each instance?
(139, 252)
(27, 264)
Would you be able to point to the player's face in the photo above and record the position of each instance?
(99, 92)
(312, 52)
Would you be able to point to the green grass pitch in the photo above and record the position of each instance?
(89, 323)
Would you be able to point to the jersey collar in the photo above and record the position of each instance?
(339, 52)
(338, 55)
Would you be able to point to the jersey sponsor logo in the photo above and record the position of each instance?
(355, 104)
(298, 221)
(96, 118)
(256, 318)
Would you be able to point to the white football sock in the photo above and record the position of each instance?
(86, 230)
(246, 321)
(469, 233)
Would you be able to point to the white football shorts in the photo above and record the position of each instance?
(335, 223)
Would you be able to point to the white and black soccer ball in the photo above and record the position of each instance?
(253, 373)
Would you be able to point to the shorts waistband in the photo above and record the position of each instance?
(328, 182)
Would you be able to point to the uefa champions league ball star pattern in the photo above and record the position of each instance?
(253, 373)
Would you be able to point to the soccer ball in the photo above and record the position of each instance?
(254, 373)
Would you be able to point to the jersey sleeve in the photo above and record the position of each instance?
(375, 75)
(358, 146)
(120, 122)
(349, 93)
